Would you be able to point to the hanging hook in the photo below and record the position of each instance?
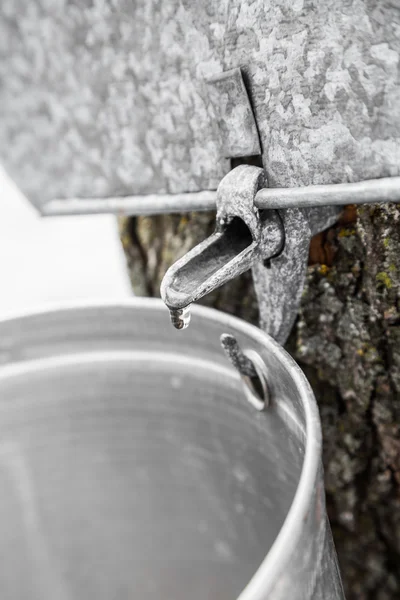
(252, 371)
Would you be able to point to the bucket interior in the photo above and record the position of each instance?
(141, 472)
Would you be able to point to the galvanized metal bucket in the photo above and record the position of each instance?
(133, 466)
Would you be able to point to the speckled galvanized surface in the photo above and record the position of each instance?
(107, 97)
(234, 114)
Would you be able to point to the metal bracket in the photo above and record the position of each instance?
(274, 244)
(234, 116)
(242, 237)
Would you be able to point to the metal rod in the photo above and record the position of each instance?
(152, 204)
(364, 192)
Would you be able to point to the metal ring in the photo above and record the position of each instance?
(252, 394)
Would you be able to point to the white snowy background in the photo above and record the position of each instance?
(48, 260)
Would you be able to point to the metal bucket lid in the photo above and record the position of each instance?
(103, 99)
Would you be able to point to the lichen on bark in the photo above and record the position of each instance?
(348, 337)
(347, 340)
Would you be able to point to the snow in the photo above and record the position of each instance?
(56, 259)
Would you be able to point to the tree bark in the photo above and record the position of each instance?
(347, 340)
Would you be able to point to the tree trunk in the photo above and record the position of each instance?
(347, 340)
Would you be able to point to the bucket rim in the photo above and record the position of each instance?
(268, 573)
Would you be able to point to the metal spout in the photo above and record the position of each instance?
(227, 253)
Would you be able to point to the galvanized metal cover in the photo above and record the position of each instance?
(108, 97)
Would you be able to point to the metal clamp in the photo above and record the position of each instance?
(273, 244)
(243, 237)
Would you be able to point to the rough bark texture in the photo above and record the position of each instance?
(347, 340)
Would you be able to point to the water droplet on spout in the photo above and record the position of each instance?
(180, 317)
